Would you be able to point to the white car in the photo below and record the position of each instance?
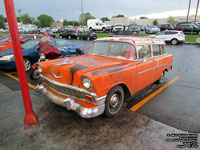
(173, 36)
(118, 27)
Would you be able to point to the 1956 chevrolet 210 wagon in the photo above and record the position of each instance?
(114, 69)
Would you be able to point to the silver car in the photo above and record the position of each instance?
(152, 29)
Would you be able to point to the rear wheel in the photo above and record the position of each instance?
(61, 36)
(104, 29)
(174, 41)
(162, 78)
(88, 38)
(114, 101)
(69, 37)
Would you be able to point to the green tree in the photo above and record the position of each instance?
(27, 19)
(143, 17)
(155, 22)
(2, 22)
(45, 20)
(85, 17)
(171, 20)
(105, 19)
(118, 16)
(65, 22)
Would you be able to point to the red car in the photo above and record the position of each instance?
(23, 38)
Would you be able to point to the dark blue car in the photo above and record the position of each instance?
(30, 52)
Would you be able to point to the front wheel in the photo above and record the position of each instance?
(114, 101)
(34, 74)
(27, 64)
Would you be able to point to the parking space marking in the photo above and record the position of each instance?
(15, 78)
(145, 100)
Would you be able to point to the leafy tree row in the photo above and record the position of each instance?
(46, 21)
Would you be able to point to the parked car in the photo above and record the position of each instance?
(118, 27)
(98, 83)
(173, 36)
(86, 35)
(30, 52)
(152, 29)
(188, 27)
(69, 34)
(133, 27)
(166, 27)
(23, 39)
(125, 33)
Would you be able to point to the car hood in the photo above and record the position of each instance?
(70, 70)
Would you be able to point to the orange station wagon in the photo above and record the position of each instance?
(98, 83)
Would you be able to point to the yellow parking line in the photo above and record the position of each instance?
(142, 102)
(15, 78)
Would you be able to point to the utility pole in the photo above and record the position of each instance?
(195, 20)
(188, 11)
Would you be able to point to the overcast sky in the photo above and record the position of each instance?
(71, 9)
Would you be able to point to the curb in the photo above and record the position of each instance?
(190, 43)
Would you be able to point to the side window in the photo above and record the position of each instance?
(144, 51)
(156, 50)
(162, 49)
(96, 24)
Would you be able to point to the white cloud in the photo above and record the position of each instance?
(166, 14)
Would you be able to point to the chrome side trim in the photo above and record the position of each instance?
(147, 70)
(153, 68)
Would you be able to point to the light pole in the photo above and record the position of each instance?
(19, 10)
(196, 11)
(188, 11)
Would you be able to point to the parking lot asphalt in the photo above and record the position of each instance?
(64, 130)
(177, 108)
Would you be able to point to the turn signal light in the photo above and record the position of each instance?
(89, 98)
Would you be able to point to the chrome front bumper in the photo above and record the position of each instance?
(70, 104)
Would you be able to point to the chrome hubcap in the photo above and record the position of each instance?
(27, 65)
(114, 100)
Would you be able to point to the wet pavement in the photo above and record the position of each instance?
(174, 110)
(64, 130)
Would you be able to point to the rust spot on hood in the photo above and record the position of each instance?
(77, 67)
(110, 69)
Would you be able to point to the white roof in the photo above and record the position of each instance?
(133, 40)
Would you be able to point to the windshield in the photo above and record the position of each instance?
(30, 44)
(4, 39)
(108, 48)
(21, 36)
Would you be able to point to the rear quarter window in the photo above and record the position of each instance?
(158, 50)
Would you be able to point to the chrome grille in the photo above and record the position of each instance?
(66, 91)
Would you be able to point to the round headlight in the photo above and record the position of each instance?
(40, 70)
(87, 83)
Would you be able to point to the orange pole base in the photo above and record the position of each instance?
(30, 120)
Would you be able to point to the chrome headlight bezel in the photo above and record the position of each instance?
(7, 57)
(40, 70)
(87, 83)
